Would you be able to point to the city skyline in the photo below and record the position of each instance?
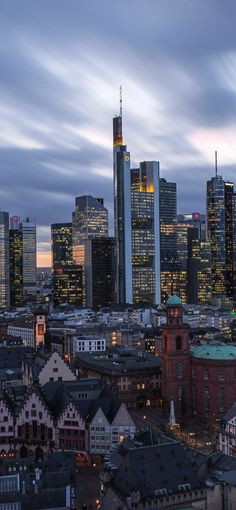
(60, 89)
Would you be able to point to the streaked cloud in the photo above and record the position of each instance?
(61, 66)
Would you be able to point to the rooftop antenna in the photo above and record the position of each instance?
(216, 162)
(120, 100)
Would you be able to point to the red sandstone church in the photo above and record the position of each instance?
(201, 380)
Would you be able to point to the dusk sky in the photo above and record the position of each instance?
(61, 65)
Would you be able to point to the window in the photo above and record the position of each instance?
(180, 392)
(205, 373)
(35, 428)
(221, 399)
(221, 375)
(206, 399)
(55, 370)
(193, 372)
(178, 343)
(34, 412)
(180, 370)
(194, 396)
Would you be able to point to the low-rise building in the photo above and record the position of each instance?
(88, 343)
(227, 435)
(24, 330)
(132, 375)
(46, 367)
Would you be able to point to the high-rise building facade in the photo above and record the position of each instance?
(199, 284)
(4, 260)
(145, 226)
(16, 265)
(99, 272)
(220, 226)
(61, 239)
(229, 233)
(122, 214)
(168, 238)
(28, 228)
(89, 221)
(68, 285)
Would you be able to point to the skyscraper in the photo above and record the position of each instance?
(67, 285)
(220, 197)
(89, 221)
(100, 272)
(4, 260)
(145, 226)
(229, 233)
(122, 213)
(28, 228)
(168, 234)
(16, 266)
(66, 276)
(199, 284)
(61, 237)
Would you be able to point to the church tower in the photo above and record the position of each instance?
(176, 360)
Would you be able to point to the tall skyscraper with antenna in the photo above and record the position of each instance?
(220, 226)
(122, 212)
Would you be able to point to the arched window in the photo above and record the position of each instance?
(180, 370)
(178, 343)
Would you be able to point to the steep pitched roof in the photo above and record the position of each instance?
(231, 413)
(157, 467)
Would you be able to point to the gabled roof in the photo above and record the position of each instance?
(34, 388)
(231, 413)
(60, 393)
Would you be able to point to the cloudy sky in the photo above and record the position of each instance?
(61, 65)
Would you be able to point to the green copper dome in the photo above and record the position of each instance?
(174, 300)
(217, 351)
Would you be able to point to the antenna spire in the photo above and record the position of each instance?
(120, 100)
(216, 168)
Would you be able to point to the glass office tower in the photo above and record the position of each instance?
(168, 238)
(100, 272)
(28, 228)
(16, 266)
(145, 224)
(4, 260)
(61, 239)
(122, 214)
(216, 232)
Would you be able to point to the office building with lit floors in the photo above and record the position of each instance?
(61, 238)
(100, 272)
(16, 267)
(4, 260)
(89, 221)
(28, 229)
(145, 226)
(68, 285)
(168, 239)
(199, 276)
(221, 231)
(122, 214)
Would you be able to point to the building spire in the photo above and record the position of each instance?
(121, 101)
(216, 168)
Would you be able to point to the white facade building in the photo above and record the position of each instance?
(88, 343)
(24, 331)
